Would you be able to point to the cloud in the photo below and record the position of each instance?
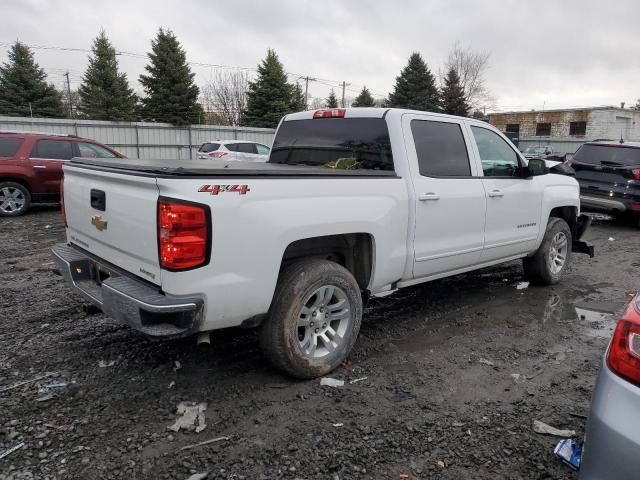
(560, 53)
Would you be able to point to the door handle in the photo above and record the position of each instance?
(425, 197)
(496, 193)
(42, 167)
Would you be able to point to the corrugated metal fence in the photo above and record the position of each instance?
(559, 144)
(141, 139)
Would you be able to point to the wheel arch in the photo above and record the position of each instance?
(354, 251)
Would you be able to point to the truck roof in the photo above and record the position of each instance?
(367, 112)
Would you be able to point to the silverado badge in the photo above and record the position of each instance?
(98, 222)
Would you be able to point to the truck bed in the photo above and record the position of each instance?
(217, 168)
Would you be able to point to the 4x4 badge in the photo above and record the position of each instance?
(98, 222)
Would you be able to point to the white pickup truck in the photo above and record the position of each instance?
(351, 204)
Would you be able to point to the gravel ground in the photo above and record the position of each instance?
(455, 372)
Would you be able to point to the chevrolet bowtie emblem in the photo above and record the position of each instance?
(98, 222)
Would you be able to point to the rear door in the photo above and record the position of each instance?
(113, 216)
(449, 196)
(47, 158)
(513, 203)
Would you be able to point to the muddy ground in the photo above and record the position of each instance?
(456, 372)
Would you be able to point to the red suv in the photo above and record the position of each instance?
(31, 167)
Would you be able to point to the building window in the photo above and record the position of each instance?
(543, 130)
(577, 128)
(513, 128)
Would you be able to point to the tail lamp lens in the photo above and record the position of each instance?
(183, 235)
(624, 353)
(218, 154)
(636, 173)
(329, 113)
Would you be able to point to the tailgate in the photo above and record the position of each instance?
(113, 216)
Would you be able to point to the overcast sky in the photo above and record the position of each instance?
(560, 53)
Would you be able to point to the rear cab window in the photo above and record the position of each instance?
(9, 146)
(337, 143)
(53, 149)
(613, 155)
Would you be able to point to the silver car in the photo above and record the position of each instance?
(612, 441)
(234, 150)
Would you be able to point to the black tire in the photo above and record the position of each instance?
(8, 211)
(537, 268)
(280, 333)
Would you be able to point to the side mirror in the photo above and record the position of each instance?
(537, 166)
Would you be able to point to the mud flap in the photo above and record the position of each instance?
(580, 246)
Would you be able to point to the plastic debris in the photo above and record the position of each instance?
(45, 397)
(192, 417)
(611, 239)
(331, 382)
(59, 384)
(541, 427)
(9, 451)
(177, 365)
(440, 463)
(198, 476)
(25, 382)
(522, 285)
(569, 451)
(518, 378)
(338, 424)
(362, 379)
(105, 364)
(206, 442)
(171, 384)
(484, 361)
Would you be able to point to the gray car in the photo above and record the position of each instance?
(612, 440)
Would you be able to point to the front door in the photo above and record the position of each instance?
(449, 198)
(513, 203)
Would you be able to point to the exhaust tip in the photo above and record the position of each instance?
(204, 337)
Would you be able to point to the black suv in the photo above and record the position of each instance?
(609, 177)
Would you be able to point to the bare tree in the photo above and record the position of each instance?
(226, 95)
(471, 67)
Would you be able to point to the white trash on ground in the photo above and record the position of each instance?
(541, 427)
(192, 417)
(522, 285)
(331, 382)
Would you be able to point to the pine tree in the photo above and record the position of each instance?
(331, 101)
(24, 89)
(171, 94)
(297, 99)
(270, 96)
(105, 93)
(364, 99)
(415, 87)
(452, 95)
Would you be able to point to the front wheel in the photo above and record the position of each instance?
(552, 258)
(314, 319)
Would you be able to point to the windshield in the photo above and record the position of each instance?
(209, 147)
(535, 150)
(608, 154)
(339, 143)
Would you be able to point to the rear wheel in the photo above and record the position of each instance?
(314, 320)
(15, 199)
(552, 258)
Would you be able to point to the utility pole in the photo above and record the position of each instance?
(69, 104)
(344, 85)
(306, 91)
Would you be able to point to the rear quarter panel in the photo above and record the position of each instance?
(250, 233)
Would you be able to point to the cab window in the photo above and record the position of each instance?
(89, 150)
(497, 157)
(53, 149)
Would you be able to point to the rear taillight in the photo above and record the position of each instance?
(218, 154)
(624, 353)
(63, 213)
(636, 173)
(329, 113)
(184, 233)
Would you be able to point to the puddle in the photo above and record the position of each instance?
(599, 319)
